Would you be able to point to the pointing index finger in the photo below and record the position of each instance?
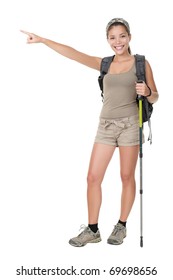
(25, 32)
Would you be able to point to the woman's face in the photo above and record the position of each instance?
(119, 39)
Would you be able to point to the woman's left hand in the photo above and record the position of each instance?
(142, 89)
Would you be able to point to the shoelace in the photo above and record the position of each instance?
(82, 227)
(117, 228)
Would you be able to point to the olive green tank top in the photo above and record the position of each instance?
(119, 95)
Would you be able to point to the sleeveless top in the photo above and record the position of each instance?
(119, 95)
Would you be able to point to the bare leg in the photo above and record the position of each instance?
(128, 160)
(100, 158)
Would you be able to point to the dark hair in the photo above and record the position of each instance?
(116, 24)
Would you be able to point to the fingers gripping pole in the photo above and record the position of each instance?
(141, 170)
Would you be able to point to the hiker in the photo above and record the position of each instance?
(118, 125)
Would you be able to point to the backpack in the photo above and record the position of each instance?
(147, 107)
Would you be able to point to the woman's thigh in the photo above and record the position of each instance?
(100, 158)
(128, 160)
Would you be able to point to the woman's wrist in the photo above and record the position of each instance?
(150, 92)
(43, 40)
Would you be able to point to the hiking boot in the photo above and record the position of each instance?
(86, 236)
(117, 235)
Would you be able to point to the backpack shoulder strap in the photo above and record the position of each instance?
(140, 67)
(105, 64)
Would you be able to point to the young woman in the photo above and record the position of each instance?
(118, 127)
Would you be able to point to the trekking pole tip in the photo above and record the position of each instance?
(141, 241)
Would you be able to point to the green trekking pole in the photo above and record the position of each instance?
(140, 98)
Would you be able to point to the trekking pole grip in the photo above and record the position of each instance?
(140, 97)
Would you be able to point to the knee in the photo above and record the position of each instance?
(126, 177)
(93, 179)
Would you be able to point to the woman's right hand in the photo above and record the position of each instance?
(32, 38)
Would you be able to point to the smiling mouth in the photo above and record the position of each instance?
(119, 48)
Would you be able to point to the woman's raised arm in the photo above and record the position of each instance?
(67, 51)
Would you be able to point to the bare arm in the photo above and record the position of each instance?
(67, 51)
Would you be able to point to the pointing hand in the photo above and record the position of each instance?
(32, 38)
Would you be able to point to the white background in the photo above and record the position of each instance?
(49, 110)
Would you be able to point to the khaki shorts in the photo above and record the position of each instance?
(119, 132)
